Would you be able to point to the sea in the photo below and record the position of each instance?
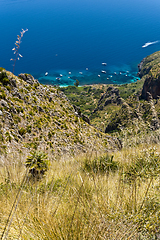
(93, 41)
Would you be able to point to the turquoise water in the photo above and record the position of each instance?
(70, 36)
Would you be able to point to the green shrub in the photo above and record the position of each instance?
(103, 164)
(8, 88)
(144, 166)
(22, 131)
(37, 164)
(29, 128)
(76, 83)
(8, 136)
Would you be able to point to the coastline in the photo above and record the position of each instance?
(64, 78)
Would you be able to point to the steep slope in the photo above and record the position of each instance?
(41, 117)
(118, 107)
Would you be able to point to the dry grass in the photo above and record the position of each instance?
(72, 203)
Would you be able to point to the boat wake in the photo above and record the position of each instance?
(149, 43)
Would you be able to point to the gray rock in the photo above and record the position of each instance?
(1, 113)
(4, 103)
(17, 94)
(13, 110)
(40, 109)
(28, 78)
(50, 99)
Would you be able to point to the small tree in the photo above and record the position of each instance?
(76, 83)
(37, 163)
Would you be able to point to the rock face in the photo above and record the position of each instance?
(141, 70)
(149, 69)
(152, 86)
(80, 114)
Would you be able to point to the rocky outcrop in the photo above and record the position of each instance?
(149, 70)
(111, 96)
(152, 86)
(80, 114)
(143, 70)
(28, 78)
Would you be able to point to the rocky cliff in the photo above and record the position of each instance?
(149, 70)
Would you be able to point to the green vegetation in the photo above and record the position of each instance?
(37, 164)
(76, 83)
(87, 98)
(103, 199)
(62, 178)
(84, 97)
(127, 90)
(3, 78)
(103, 164)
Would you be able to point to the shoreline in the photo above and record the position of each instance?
(63, 78)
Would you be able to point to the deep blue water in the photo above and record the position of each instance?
(69, 36)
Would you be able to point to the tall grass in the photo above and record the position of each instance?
(73, 201)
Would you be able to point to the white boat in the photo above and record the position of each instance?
(149, 43)
(46, 73)
(81, 73)
(58, 78)
(86, 69)
(104, 64)
(60, 75)
(102, 71)
(99, 76)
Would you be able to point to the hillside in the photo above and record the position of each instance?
(97, 174)
(115, 108)
(34, 116)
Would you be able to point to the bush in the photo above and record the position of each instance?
(2, 95)
(37, 164)
(22, 131)
(3, 78)
(102, 164)
(146, 165)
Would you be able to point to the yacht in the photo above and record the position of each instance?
(46, 73)
(104, 64)
(102, 71)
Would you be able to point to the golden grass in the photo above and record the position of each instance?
(71, 203)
